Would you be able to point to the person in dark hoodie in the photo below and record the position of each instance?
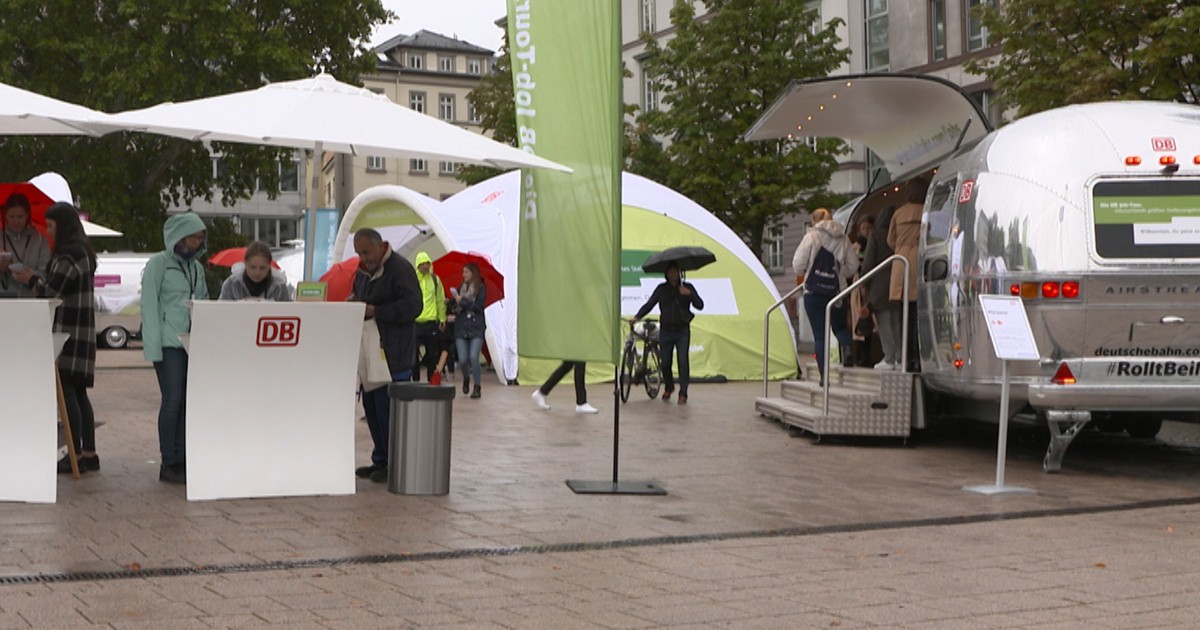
(69, 277)
(254, 279)
(887, 315)
(171, 278)
(388, 284)
(675, 299)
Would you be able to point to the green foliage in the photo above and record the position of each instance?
(1059, 52)
(114, 56)
(717, 76)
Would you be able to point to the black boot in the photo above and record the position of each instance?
(466, 383)
(475, 392)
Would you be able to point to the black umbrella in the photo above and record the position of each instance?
(686, 258)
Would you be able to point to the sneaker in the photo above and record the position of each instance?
(666, 397)
(586, 408)
(540, 399)
(89, 463)
(172, 473)
(683, 399)
(362, 472)
(435, 379)
(884, 365)
(379, 475)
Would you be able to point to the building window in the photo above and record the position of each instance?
(878, 55)
(416, 61)
(376, 163)
(474, 66)
(937, 30)
(473, 113)
(447, 168)
(446, 64)
(289, 176)
(418, 166)
(649, 93)
(977, 35)
(416, 102)
(773, 248)
(649, 8)
(446, 106)
(986, 100)
(816, 27)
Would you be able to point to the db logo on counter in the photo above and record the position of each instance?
(278, 331)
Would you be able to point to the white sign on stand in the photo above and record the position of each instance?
(29, 411)
(270, 398)
(1012, 339)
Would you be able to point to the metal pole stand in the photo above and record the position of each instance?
(1001, 448)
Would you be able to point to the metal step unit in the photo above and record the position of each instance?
(862, 402)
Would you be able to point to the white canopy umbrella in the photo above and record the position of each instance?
(320, 114)
(56, 187)
(26, 113)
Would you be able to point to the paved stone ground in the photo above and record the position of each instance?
(760, 529)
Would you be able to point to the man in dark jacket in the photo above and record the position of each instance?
(675, 300)
(388, 284)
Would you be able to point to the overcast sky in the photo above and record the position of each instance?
(471, 20)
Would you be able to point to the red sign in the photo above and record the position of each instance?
(1162, 144)
(964, 193)
(278, 331)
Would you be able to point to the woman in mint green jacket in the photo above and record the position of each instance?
(171, 278)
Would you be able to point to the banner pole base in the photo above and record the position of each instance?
(615, 487)
(993, 489)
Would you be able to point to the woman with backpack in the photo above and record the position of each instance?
(825, 259)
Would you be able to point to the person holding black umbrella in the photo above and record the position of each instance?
(675, 299)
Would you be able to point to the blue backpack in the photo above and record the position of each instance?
(822, 278)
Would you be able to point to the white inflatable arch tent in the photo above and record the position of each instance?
(726, 335)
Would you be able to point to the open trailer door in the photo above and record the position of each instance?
(912, 122)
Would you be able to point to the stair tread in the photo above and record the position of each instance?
(835, 390)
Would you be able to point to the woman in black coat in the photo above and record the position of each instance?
(887, 315)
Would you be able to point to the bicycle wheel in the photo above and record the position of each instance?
(628, 361)
(654, 376)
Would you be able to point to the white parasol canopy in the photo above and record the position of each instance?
(26, 113)
(323, 111)
(55, 186)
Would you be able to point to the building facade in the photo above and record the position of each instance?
(428, 73)
(931, 37)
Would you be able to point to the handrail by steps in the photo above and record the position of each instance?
(767, 336)
(846, 292)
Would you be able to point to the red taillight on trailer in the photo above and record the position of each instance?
(1070, 289)
(1063, 375)
(1049, 289)
(1166, 160)
(1133, 160)
(1014, 290)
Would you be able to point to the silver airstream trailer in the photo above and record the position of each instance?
(1089, 213)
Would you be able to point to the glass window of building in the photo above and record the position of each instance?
(473, 113)
(447, 168)
(418, 166)
(649, 8)
(446, 64)
(474, 66)
(289, 176)
(814, 5)
(986, 99)
(446, 106)
(937, 30)
(375, 163)
(416, 102)
(977, 36)
(649, 93)
(878, 53)
(772, 257)
(416, 61)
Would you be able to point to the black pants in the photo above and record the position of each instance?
(672, 341)
(81, 416)
(560, 372)
(431, 340)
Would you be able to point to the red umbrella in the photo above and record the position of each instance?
(232, 256)
(38, 201)
(449, 269)
(339, 280)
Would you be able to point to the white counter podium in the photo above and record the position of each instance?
(270, 399)
(28, 403)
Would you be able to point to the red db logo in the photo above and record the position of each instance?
(968, 189)
(1162, 144)
(278, 331)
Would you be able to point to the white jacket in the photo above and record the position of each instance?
(832, 236)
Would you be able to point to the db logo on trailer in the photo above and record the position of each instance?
(278, 331)
(1162, 144)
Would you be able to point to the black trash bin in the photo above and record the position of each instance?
(419, 448)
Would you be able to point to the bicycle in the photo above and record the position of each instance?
(644, 369)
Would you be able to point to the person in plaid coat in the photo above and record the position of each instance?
(69, 277)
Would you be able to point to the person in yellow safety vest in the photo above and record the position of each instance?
(431, 323)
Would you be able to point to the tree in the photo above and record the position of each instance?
(1054, 53)
(114, 56)
(717, 76)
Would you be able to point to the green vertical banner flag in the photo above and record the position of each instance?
(566, 66)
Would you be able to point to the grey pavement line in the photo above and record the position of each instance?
(657, 541)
